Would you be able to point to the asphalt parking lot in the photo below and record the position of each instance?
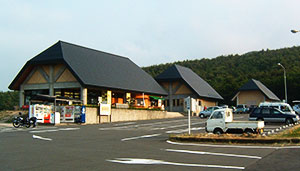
(136, 145)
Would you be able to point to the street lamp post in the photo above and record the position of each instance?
(294, 31)
(284, 76)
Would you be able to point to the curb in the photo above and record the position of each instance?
(237, 140)
(243, 140)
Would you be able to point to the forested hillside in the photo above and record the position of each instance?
(228, 73)
(8, 100)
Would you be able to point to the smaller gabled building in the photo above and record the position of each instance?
(181, 82)
(254, 92)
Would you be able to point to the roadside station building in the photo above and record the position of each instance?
(89, 75)
(181, 82)
(254, 92)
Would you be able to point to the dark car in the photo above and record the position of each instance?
(269, 114)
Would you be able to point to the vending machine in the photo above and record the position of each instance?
(43, 113)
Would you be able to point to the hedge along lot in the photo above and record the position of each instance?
(288, 137)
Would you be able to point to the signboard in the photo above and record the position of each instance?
(105, 109)
(187, 102)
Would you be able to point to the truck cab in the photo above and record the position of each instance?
(221, 121)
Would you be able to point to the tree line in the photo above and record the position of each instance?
(226, 74)
(8, 100)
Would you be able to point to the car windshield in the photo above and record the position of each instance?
(285, 109)
(239, 106)
(209, 109)
(217, 115)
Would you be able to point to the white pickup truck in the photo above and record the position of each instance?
(221, 121)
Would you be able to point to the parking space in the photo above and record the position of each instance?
(124, 146)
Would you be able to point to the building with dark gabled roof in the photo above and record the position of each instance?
(254, 92)
(181, 82)
(69, 70)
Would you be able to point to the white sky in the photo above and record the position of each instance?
(147, 31)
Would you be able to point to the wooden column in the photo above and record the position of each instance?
(51, 81)
(84, 95)
(21, 96)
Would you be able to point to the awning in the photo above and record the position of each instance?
(157, 98)
(42, 97)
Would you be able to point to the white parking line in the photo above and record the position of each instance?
(42, 131)
(175, 126)
(54, 130)
(139, 137)
(233, 146)
(183, 130)
(140, 125)
(41, 138)
(127, 123)
(216, 154)
(160, 162)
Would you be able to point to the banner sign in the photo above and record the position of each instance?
(105, 109)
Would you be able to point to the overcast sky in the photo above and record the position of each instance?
(146, 31)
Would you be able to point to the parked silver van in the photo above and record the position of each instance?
(284, 107)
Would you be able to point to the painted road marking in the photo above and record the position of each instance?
(141, 125)
(42, 131)
(161, 162)
(184, 130)
(232, 146)
(68, 129)
(54, 130)
(139, 137)
(127, 123)
(175, 126)
(41, 138)
(216, 154)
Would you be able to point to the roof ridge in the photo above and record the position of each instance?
(92, 49)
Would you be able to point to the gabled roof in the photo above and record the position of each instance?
(194, 81)
(95, 68)
(257, 85)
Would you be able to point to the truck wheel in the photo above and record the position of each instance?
(248, 131)
(288, 121)
(201, 116)
(218, 131)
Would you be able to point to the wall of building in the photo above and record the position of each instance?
(207, 103)
(92, 115)
(250, 97)
(118, 115)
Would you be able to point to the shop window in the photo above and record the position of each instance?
(140, 102)
(30, 93)
(93, 96)
(181, 102)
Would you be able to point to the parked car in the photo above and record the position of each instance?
(296, 106)
(221, 121)
(270, 114)
(241, 108)
(207, 112)
(284, 107)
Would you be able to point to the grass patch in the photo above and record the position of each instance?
(8, 115)
(290, 133)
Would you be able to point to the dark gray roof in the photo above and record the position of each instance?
(194, 81)
(95, 68)
(257, 85)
